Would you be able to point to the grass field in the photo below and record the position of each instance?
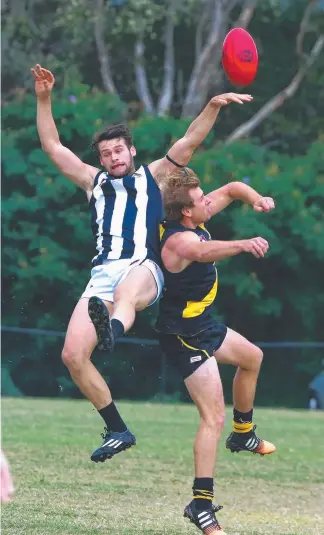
(143, 491)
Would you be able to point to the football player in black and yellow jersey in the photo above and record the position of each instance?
(191, 337)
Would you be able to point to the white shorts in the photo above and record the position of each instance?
(106, 277)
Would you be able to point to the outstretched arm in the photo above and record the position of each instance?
(185, 247)
(65, 160)
(183, 149)
(222, 197)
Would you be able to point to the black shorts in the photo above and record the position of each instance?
(188, 353)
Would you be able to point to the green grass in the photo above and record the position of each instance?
(143, 491)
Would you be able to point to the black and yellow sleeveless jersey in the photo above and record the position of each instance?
(185, 306)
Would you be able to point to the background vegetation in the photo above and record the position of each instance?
(153, 64)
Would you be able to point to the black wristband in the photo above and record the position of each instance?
(173, 162)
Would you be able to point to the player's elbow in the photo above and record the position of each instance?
(233, 189)
(189, 252)
(196, 254)
(48, 147)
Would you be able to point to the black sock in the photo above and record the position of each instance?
(203, 492)
(242, 422)
(112, 418)
(118, 328)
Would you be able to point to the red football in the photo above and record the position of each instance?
(240, 57)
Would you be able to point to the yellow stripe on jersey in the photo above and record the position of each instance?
(195, 308)
(202, 226)
(162, 231)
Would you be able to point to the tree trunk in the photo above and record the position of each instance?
(142, 87)
(199, 39)
(166, 96)
(273, 104)
(246, 14)
(208, 69)
(303, 28)
(197, 84)
(215, 81)
(103, 54)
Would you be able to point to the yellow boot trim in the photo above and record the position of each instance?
(203, 498)
(242, 428)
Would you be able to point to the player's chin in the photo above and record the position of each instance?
(119, 171)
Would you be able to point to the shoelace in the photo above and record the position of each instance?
(217, 508)
(106, 434)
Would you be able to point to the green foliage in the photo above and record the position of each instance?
(287, 285)
(47, 244)
(67, 46)
(43, 214)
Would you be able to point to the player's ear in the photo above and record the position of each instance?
(186, 211)
(133, 151)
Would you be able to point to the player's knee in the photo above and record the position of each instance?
(128, 297)
(257, 357)
(72, 359)
(214, 418)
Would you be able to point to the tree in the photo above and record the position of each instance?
(163, 56)
(206, 71)
(306, 62)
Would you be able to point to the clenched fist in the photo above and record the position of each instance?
(264, 204)
(256, 246)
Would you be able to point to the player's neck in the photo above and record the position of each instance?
(188, 223)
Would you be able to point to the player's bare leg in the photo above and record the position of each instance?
(80, 342)
(238, 351)
(133, 294)
(205, 389)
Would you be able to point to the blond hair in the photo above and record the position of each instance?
(176, 192)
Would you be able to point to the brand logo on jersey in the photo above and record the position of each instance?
(197, 358)
(202, 238)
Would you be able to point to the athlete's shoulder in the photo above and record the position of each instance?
(100, 177)
(172, 231)
(140, 170)
(172, 226)
(144, 171)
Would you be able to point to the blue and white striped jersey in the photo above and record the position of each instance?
(125, 216)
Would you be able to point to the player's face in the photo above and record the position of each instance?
(201, 210)
(116, 157)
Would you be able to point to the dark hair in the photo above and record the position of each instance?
(112, 132)
(175, 191)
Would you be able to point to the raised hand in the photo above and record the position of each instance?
(256, 246)
(227, 98)
(44, 81)
(264, 204)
